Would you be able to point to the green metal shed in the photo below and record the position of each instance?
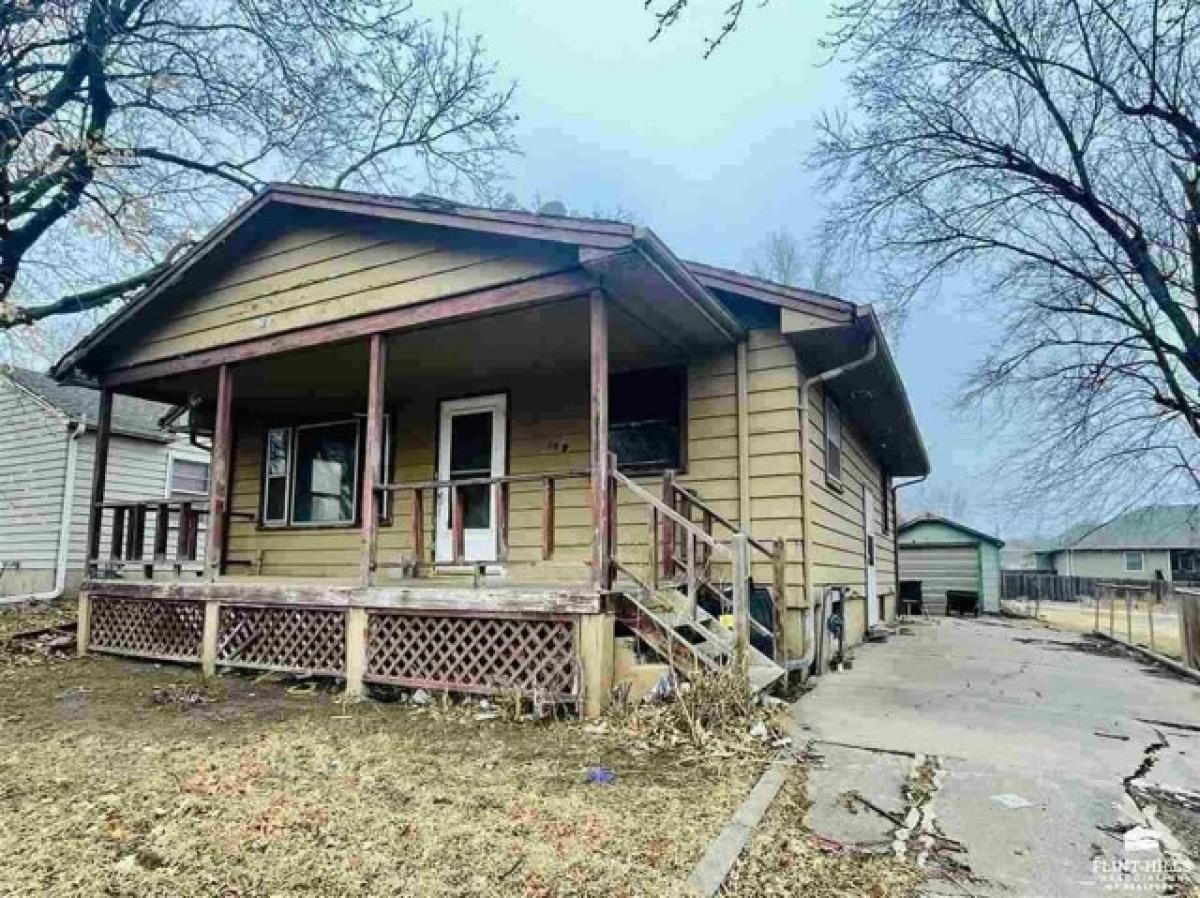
(944, 554)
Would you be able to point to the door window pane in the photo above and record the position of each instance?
(471, 457)
(471, 445)
(325, 461)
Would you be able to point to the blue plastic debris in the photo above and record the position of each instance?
(602, 776)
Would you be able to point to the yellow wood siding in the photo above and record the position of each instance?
(838, 529)
(317, 273)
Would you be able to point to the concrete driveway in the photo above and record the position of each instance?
(1030, 745)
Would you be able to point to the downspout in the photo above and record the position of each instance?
(896, 487)
(810, 648)
(74, 429)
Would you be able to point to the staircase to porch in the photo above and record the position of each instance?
(680, 610)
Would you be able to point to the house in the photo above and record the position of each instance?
(943, 555)
(1155, 542)
(47, 447)
(471, 449)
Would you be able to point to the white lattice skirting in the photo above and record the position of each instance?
(147, 628)
(474, 654)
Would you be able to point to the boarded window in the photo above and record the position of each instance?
(189, 478)
(646, 414)
(833, 442)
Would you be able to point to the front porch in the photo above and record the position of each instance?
(438, 508)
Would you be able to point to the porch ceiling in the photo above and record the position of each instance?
(546, 340)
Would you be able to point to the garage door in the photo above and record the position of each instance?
(940, 568)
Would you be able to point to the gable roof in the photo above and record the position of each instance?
(946, 522)
(612, 253)
(1152, 527)
(130, 416)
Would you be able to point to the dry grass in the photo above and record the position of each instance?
(130, 779)
(1078, 617)
(785, 860)
(122, 779)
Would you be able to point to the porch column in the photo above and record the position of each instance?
(601, 499)
(372, 475)
(218, 482)
(99, 469)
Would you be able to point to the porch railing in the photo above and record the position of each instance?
(452, 491)
(174, 529)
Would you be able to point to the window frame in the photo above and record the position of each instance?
(885, 483)
(356, 483)
(647, 469)
(1141, 557)
(288, 520)
(285, 521)
(832, 479)
(185, 495)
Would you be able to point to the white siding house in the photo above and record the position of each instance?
(44, 424)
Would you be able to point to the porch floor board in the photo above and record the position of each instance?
(442, 594)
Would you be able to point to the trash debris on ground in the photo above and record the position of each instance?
(1011, 801)
(183, 695)
(601, 776)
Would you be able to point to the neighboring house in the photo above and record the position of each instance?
(416, 408)
(1019, 555)
(1156, 542)
(47, 446)
(943, 554)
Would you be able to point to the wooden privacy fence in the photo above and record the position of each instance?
(1051, 587)
(1189, 626)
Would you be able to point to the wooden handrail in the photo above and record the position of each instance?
(718, 518)
(482, 481)
(670, 513)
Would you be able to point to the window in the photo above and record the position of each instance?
(276, 472)
(646, 414)
(833, 442)
(326, 472)
(188, 478)
(312, 473)
(1134, 561)
(885, 487)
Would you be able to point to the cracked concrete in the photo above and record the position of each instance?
(1010, 709)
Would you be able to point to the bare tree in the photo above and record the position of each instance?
(1043, 155)
(126, 125)
(781, 258)
(1049, 150)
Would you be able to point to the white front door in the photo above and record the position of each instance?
(869, 557)
(471, 444)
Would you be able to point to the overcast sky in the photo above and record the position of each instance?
(709, 153)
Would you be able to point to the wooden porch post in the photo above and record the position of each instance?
(218, 483)
(372, 475)
(601, 504)
(99, 469)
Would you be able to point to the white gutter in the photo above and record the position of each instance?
(74, 429)
(806, 388)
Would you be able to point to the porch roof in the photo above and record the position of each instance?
(617, 255)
